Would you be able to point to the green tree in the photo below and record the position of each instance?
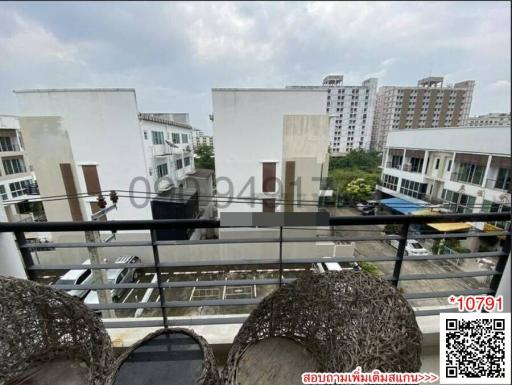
(370, 268)
(357, 190)
(359, 159)
(205, 158)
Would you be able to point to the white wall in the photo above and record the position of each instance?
(103, 129)
(248, 130)
(478, 140)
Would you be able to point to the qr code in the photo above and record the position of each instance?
(475, 348)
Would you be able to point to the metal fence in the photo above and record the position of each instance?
(404, 221)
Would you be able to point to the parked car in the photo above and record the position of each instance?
(367, 207)
(412, 247)
(322, 267)
(116, 276)
(77, 277)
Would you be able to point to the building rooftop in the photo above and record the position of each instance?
(152, 118)
(201, 173)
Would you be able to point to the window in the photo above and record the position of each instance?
(187, 161)
(161, 170)
(184, 138)
(491, 207)
(413, 189)
(18, 188)
(390, 182)
(6, 144)
(416, 164)
(83, 277)
(175, 138)
(503, 179)
(3, 193)
(457, 202)
(14, 166)
(396, 161)
(269, 177)
(158, 137)
(179, 164)
(145, 135)
(437, 163)
(449, 165)
(470, 173)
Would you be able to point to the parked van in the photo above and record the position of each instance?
(77, 277)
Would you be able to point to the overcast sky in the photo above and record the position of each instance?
(174, 53)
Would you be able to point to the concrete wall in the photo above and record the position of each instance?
(102, 128)
(248, 130)
(478, 140)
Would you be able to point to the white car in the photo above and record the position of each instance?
(412, 247)
(322, 267)
(77, 277)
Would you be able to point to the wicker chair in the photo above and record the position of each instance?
(187, 357)
(344, 320)
(40, 325)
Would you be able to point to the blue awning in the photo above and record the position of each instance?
(401, 205)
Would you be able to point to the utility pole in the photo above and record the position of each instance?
(100, 275)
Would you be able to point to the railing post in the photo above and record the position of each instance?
(280, 256)
(500, 265)
(26, 255)
(400, 253)
(156, 258)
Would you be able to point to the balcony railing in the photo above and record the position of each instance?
(9, 147)
(458, 177)
(499, 184)
(393, 165)
(163, 303)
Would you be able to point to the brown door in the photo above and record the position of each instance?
(269, 177)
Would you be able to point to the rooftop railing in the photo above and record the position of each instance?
(279, 263)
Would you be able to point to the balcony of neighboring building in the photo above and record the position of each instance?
(9, 143)
(499, 174)
(469, 169)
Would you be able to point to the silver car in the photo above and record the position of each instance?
(77, 277)
(116, 276)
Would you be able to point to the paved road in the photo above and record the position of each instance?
(380, 248)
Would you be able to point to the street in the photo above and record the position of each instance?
(380, 248)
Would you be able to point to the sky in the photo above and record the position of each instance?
(174, 53)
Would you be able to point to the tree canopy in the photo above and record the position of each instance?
(205, 157)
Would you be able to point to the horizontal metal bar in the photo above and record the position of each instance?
(94, 266)
(212, 302)
(107, 286)
(212, 223)
(417, 277)
(426, 313)
(234, 282)
(461, 235)
(136, 323)
(75, 245)
(432, 257)
(207, 321)
(441, 294)
(127, 305)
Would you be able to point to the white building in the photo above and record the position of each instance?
(492, 119)
(467, 169)
(351, 110)
(429, 104)
(264, 140)
(82, 141)
(200, 138)
(16, 178)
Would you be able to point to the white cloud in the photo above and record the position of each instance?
(500, 85)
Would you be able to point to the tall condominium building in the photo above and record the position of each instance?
(351, 110)
(492, 119)
(200, 138)
(429, 104)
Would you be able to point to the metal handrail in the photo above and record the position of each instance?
(25, 247)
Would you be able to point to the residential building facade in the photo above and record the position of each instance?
(459, 168)
(200, 138)
(492, 119)
(351, 110)
(16, 178)
(429, 104)
(83, 141)
(264, 140)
